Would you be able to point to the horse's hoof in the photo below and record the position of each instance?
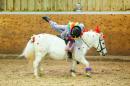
(73, 74)
(88, 75)
(37, 77)
(41, 69)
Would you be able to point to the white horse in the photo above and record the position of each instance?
(46, 44)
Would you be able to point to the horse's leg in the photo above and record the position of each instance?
(86, 63)
(74, 62)
(36, 63)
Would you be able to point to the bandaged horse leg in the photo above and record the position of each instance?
(88, 71)
(88, 68)
(73, 68)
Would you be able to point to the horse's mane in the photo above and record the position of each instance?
(97, 30)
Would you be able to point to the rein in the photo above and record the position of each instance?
(85, 42)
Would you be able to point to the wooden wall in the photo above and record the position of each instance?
(16, 30)
(64, 5)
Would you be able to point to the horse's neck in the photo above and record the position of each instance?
(89, 38)
(82, 45)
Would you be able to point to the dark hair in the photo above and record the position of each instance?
(75, 32)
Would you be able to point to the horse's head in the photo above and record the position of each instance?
(95, 39)
(100, 45)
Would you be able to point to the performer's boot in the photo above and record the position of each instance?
(46, 18)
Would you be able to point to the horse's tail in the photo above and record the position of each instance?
(29, 52)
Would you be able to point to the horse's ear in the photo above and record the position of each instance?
(103, 36)
(97, 30)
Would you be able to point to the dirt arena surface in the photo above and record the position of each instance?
(15, 72)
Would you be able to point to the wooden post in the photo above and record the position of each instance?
(113, 5)
(120, 6)
(84, 4)
(10, 5)
(31, 5)
(51, 5)
(45, 4)
(106, 5)
(74, 3)
(17, 5)
(2, 5)
(38, 5)
(127, 5)
(62, 6)
(24, 4)
(97, 5)
(91, 5)
(55, 2)
(69, 2)
(42, 5)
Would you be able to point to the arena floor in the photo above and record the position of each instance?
(15, 72)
